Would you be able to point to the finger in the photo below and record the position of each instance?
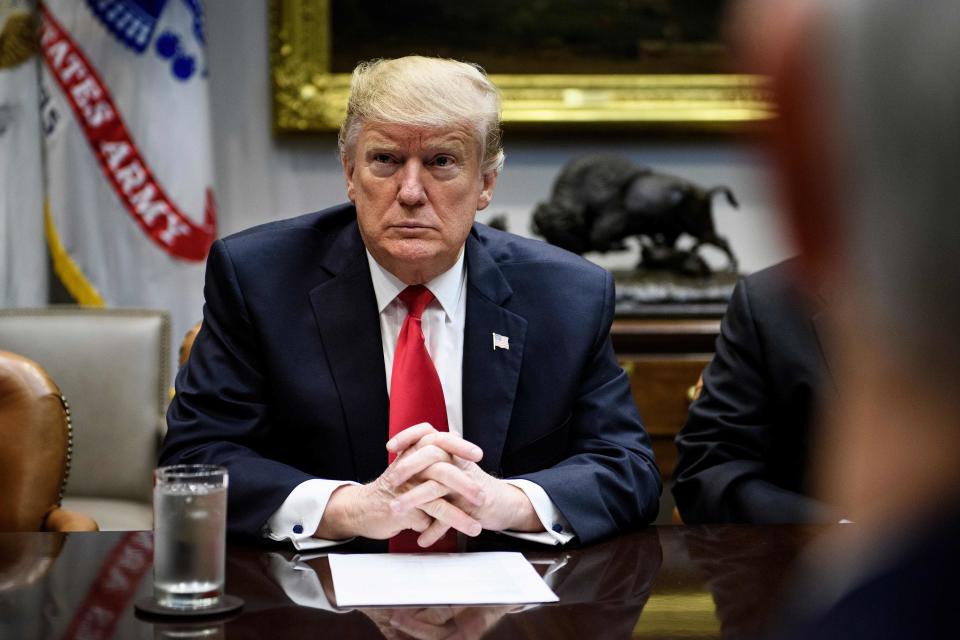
(440, 479)
(420, 494)
(432, 533)
(435, 615)
(423, 434)
(381, 618)
(419, 521)
(408, 624)
(453, 444)
(452, 516)
(461, 462)
(456, 480)
(474, 622)
(409, 436)
(413, 463)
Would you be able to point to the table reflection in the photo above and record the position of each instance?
(659, 582)
(602, 587)
(721, 581)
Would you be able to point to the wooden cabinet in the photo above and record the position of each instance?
(664, 358)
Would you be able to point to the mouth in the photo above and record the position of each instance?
(412, 228)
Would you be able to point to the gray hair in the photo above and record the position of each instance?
(896, 76)
(425, 92)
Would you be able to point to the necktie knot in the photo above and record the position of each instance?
(416, 298)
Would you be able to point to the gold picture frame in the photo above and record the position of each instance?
(308, 97)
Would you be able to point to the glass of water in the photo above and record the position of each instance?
(189, 533)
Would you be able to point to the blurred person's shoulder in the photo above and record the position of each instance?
(912, 593)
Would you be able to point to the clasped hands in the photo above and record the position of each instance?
(432, 486)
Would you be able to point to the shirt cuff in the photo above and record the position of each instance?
(556, 528)
(299, 516)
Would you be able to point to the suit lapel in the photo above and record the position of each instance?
(345, 308)
(489, 375)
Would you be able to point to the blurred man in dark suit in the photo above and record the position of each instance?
(868, 152)
(744, 450)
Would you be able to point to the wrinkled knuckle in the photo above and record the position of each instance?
(420, 520)
(441, 466)
(449, 476)
(423, 429)
(386, 481)
(437, 490)
(480, 498)
(436, 508)
(420, 524)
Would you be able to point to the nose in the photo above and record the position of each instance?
(411, 192)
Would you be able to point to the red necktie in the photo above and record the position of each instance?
(415, 392)
(415, 395)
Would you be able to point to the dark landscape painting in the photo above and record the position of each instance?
(537, 36)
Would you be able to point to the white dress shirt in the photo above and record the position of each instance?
(443, 323)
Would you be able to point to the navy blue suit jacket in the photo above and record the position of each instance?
(285, 381)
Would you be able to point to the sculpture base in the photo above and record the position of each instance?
(642, 292)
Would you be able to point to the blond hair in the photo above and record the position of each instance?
(425, 92)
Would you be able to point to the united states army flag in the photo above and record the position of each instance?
(130, 208)
(23, 266)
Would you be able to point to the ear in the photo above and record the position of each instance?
(348, 166)
(486, 191)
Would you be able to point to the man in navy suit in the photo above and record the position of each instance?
(287, 383)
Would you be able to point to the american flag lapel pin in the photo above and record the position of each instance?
(500, 342)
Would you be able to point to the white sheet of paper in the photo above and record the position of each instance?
(497, 577)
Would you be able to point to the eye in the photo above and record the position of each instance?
(382, 158)
(443, 162)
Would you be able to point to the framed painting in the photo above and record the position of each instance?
(558, 63)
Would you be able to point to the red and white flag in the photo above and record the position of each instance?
(130, 210)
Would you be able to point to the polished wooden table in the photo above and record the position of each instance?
(659, 582)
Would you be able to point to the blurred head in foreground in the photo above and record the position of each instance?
(867, 149)
(868, 153)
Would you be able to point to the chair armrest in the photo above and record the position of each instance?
(63, 520)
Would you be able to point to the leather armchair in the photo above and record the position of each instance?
(113, 365)
(36, 443)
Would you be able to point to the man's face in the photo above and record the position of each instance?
(416, 191)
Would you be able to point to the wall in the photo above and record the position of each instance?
(261, 177)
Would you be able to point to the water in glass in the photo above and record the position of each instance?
(189, 544)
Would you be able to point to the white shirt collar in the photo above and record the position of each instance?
(446, 287)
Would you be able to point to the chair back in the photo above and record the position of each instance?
(187, 343)
(35, 447)
(113, 364)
